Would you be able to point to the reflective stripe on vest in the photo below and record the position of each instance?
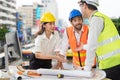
(81, 54)
(113, 53)
(109, 40)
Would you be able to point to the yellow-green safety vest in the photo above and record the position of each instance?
(108, 50)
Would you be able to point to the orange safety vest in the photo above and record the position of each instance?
(78, 56)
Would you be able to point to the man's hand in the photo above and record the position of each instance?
(78, 68)
(87, 68)
(80, 47)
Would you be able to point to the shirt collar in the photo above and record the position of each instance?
(45, 37)
(92, 14)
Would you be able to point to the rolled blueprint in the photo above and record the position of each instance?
(17, 76)
(72, 73)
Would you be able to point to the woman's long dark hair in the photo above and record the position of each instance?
(41, 30)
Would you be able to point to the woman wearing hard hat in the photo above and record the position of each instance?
(103, 39)
(46, 44)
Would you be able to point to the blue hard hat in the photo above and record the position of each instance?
(74, 13)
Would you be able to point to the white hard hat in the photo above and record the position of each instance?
(92, 2)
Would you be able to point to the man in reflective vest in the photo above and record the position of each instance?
(75, 36)
(103, 39)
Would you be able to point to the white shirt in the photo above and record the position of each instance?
(95, 28)
(65, 41)
(47, 46)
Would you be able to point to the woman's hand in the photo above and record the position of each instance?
(60, 58)
(59, 65)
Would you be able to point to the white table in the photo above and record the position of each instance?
(54, 77)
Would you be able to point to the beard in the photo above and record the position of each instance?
(78, 27)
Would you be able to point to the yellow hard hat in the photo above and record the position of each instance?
(47, 17)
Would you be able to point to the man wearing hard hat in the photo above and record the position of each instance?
(103, 39)
(75, 36)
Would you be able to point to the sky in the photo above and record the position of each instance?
(108, 7)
